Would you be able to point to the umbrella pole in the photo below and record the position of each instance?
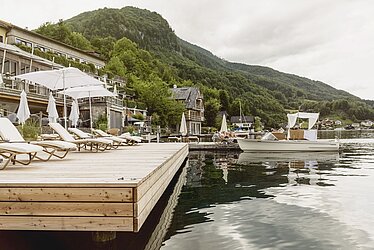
(89, 100)
(65, 110)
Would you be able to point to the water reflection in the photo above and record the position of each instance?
(276, 201)
(233, 200)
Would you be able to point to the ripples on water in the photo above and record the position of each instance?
(277, 201)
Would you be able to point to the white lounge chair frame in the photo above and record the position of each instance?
(88, 143)
(116, 140)
(10, 150)
(10, 134)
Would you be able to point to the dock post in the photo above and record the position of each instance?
(103, 236)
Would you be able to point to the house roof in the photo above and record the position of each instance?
(236, 119)
(187, 94)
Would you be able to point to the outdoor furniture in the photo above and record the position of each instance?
(83, 135)
(10, 150)
(193, 139)
(92, 143)
(116, 140)
(132, 140)
(174, 139)
(9, 133)
(86, 136)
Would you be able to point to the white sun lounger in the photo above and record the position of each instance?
(131, 139)
(116, 140)
(98, 144)
(10, 151)
(83, 135)
(10, 134)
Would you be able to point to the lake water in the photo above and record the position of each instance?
(277, 201)
(233, 200)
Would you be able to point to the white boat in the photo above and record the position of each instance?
(252, 145)
(309, 143)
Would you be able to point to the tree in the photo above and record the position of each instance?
(224, 99)
(116, 67)
(211, 112)
(157, 97)
(257, 124)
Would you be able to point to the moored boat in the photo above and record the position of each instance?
(287, 145)
(302, 140)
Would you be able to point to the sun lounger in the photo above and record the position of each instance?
(11, 150)
(98, 144)
(131, 139)
(10, 134)
(83, 135)
(116, 140)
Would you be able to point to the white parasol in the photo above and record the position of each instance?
(23, 112)
(51, 109)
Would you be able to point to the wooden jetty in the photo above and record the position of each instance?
(107, 191)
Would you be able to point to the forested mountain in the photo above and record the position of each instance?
(141, 46)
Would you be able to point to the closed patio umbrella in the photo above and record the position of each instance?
(61, 79)
(88, 92)
(1, 81)
(51, 109)
(115, 91)
(23, 112)
(74, 113)
(183, 128)
(223, 124)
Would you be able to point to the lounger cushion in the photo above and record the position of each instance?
(101, 133)
(9, 132)
(61, 145)
(62, 132)
(22, 148)
(94, 140)
(127, 136)
(80, 133)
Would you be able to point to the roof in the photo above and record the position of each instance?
(9, 26)
(17, 51)
(244, 118)
(187, 94)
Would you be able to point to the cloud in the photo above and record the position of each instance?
(327, 40)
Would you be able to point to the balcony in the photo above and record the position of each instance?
(195, 117)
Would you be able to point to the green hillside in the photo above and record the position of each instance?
(141, 46)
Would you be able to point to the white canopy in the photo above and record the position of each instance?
(87, 91)
(51, 109)
(183, 128)
(23, 112)
(312, 118)
(60, 79)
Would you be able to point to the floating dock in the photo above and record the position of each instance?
(113, 190)
(211, 146)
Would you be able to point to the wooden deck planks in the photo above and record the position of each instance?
(66, 223)
(66, 209)
(109, 191)
(67, 194)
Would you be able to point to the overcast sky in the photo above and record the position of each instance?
(327, 40)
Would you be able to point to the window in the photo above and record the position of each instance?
(1, 39)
